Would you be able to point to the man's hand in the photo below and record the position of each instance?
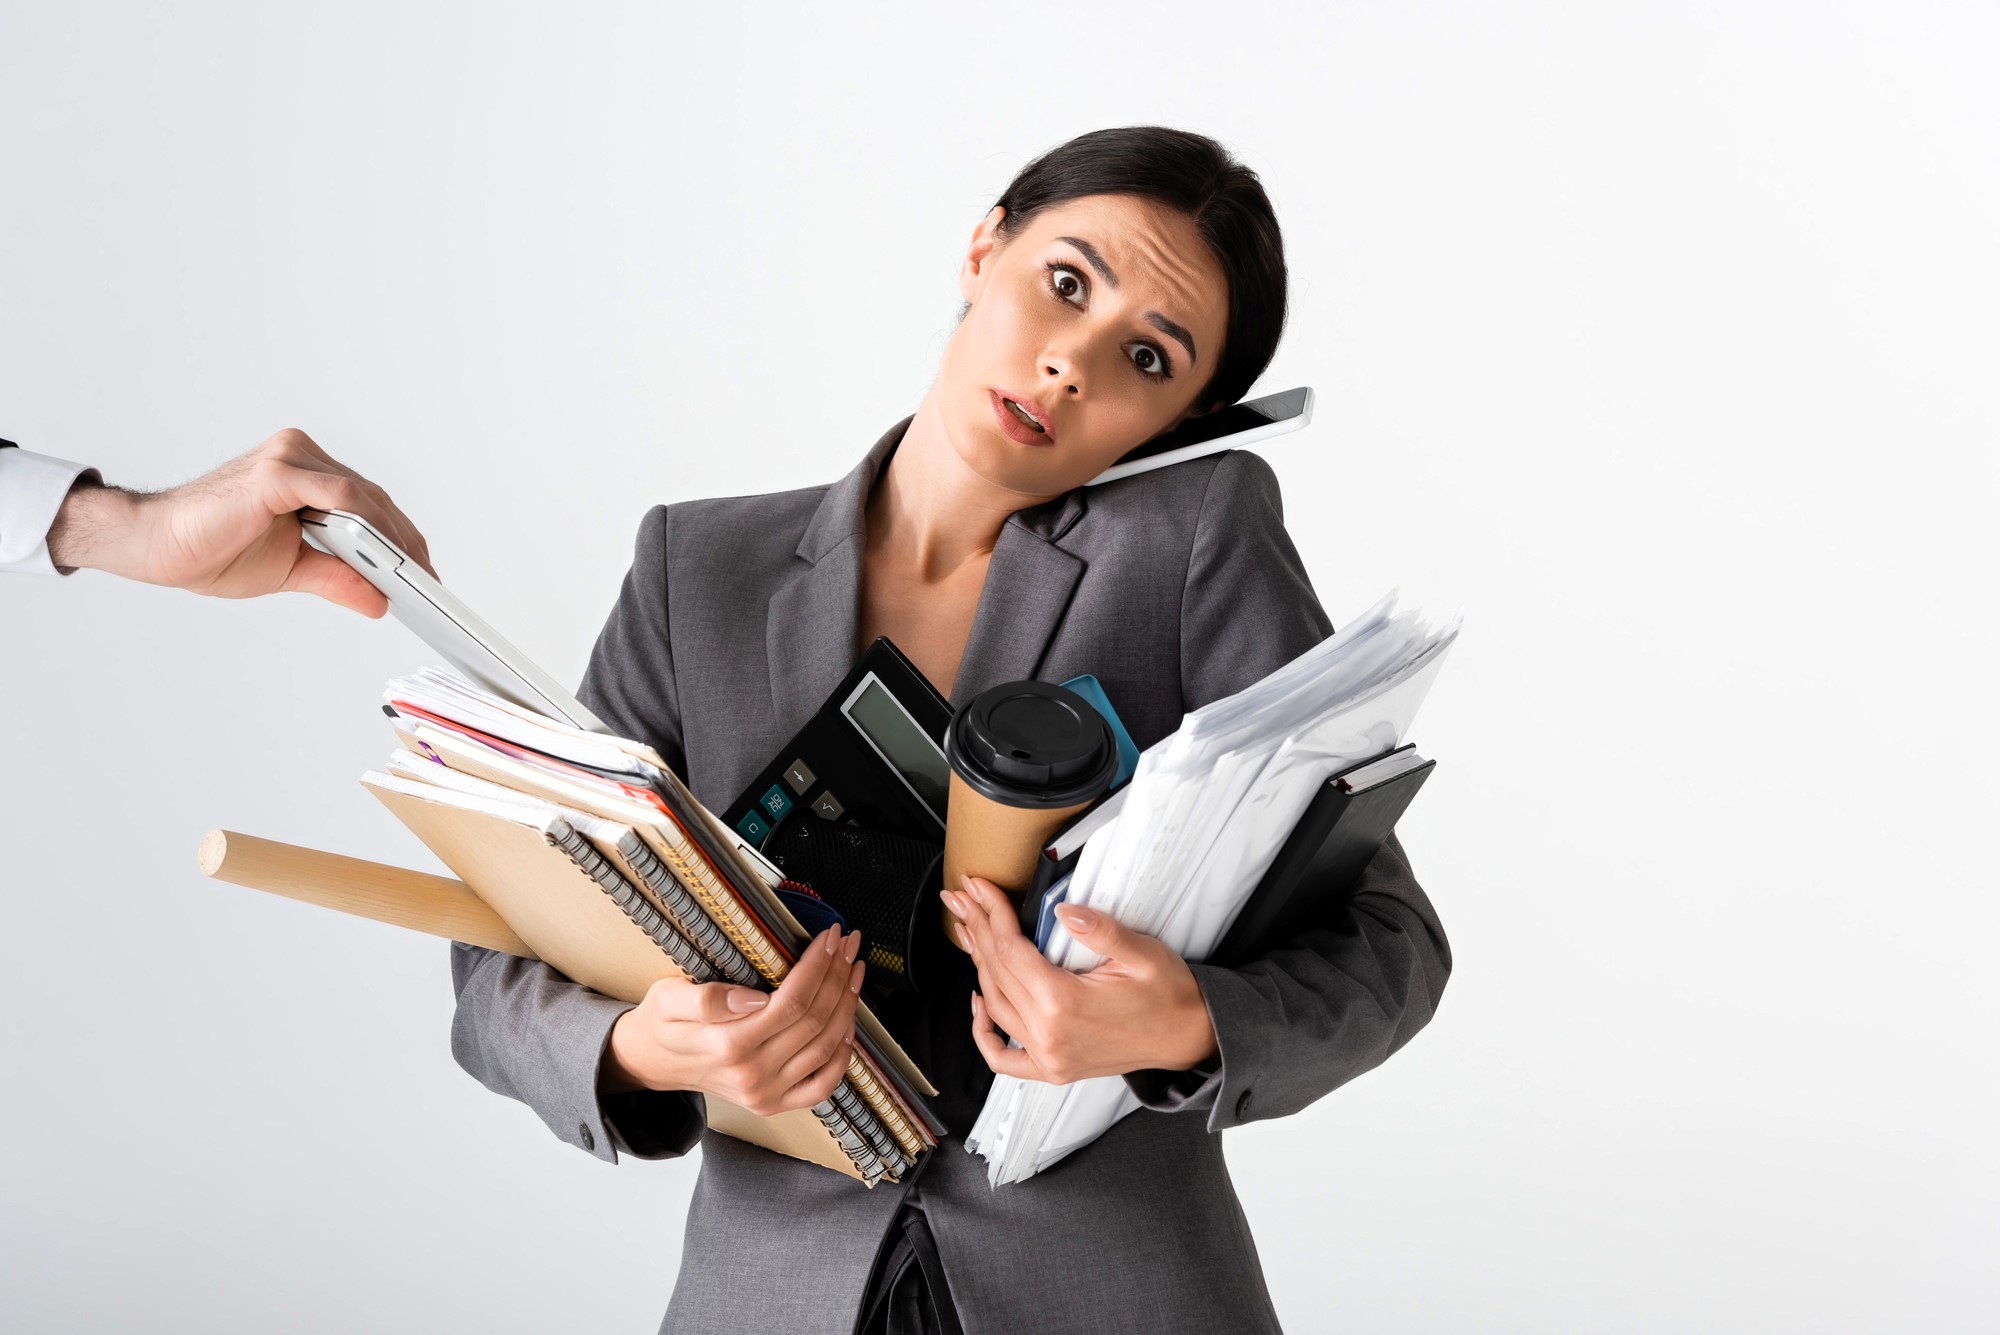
(1141, 1009)
(233, 533)
(766, 1052)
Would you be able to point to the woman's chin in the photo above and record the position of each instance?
(1031, 470)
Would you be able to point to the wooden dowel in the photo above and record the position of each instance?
(435, 904)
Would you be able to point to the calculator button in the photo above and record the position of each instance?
(829, 806)
(753, 826)
(800, 777)
(775, 803)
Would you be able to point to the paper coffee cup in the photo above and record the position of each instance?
(1025, 757)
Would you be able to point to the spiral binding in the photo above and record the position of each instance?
(852, 1123)
(697, 926)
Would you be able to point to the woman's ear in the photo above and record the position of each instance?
(978, 255)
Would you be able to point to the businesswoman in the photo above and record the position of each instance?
(1125, 280)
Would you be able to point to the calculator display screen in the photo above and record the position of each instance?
(896, 737)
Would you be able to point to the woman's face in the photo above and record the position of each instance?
(1085, 318)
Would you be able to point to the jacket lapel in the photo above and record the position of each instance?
(812, 629)
(815, 615)
(1029, 581)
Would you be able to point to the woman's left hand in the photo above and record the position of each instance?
(1141, 1009)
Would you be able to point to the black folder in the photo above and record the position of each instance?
(1345, 825)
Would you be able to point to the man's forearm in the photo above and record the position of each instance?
(96, 528)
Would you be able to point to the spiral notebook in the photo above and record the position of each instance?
(581, 892)
(594, 852)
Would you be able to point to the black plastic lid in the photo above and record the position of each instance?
(1031, 744)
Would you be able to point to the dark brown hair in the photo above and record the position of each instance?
(1223, 199)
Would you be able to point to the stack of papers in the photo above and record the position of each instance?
(1201, 822)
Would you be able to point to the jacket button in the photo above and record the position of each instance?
(1242, 1103)
(590, 1141)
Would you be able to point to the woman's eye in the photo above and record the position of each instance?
(1066, 282)
(1149, 361)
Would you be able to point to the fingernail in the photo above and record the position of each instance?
(742, 1000)
(832, 939)
(853, 946)
(971, 890)
(1078, 919)
(854, 979)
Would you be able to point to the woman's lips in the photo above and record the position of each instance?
(1015, 429)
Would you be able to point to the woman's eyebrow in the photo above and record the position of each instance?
(1154, 318)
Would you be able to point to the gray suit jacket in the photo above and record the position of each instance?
(738, 617)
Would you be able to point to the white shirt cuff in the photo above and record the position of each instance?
(32, 488)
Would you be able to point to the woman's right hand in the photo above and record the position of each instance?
(767, 1052)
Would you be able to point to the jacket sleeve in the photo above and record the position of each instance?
(521, 1028)
(1337, 999)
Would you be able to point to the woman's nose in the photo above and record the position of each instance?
(1062, 371)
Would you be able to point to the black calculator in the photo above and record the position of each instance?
(872, 756)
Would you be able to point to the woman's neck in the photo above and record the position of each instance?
(928, 511)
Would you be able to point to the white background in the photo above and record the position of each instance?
(1661, 337)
